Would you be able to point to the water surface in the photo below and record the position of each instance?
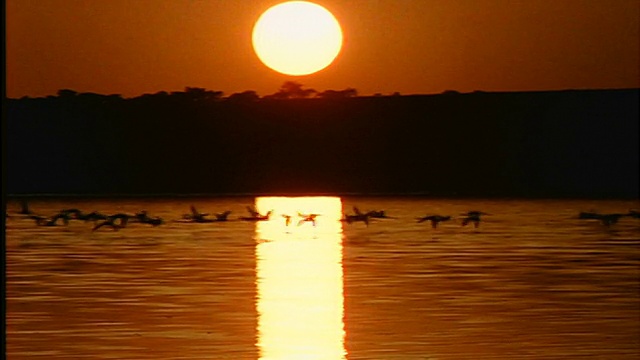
(531, 282)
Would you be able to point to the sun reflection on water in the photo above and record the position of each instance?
(300, 300)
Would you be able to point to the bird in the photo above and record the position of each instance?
(605, 219)
(108, 222)
(358, 216)
(53, 221)
(77, 214)
(196, 216)
(634, 214)
(223, 216)
(142, 217)
(435, 219)
(472, 216)
(256, 216)
(155, 221)
(378, 214)
(40, 220)
(287, 219)
(610, 219)
(253, 211)
(355, 218)
(120, 219)
(64, 216)
(307, 218)
(588, 215)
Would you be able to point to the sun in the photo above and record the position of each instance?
(297, 38)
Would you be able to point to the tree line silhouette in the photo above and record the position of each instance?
(288, 90)
(574, 143)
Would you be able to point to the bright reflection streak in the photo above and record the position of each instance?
(299, 278)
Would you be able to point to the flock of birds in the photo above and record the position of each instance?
(120, 220)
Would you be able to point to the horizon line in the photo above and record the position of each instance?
(269, 96)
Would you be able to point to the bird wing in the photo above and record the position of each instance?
(253, 211)
(428, 217)
(100, 225)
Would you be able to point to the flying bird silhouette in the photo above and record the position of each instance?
(307, 218)
(197, 216)
(358, 216)
(256, 216)
(435, 219)
(472, 216)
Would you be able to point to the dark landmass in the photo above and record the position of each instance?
(581, 144)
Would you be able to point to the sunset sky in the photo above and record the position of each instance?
(132, 47)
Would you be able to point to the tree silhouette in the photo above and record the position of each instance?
(196, 94)
(244, 97)
(291, 90)
(159, 94)
(338, 94)
(67, 93)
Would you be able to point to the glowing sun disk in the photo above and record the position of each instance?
(297, 38)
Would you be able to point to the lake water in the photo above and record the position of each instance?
(531, 282)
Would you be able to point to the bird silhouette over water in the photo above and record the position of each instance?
(141, 216)
(144, 218)
(256, 216)
(610, 219)
(74, 213)
(223, 216)
(197, 216)
(155, 221)
(378, 214)
(53, 221)
(253, 211)
(307, 218)
(435, 219)
(472, 216)
(79, 215)
(113, 222)
(605, 219)
(588, 215)
(634, 214)
(358, 216)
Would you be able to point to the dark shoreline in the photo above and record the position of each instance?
(543, 144)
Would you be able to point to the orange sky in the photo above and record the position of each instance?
(132, 47)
